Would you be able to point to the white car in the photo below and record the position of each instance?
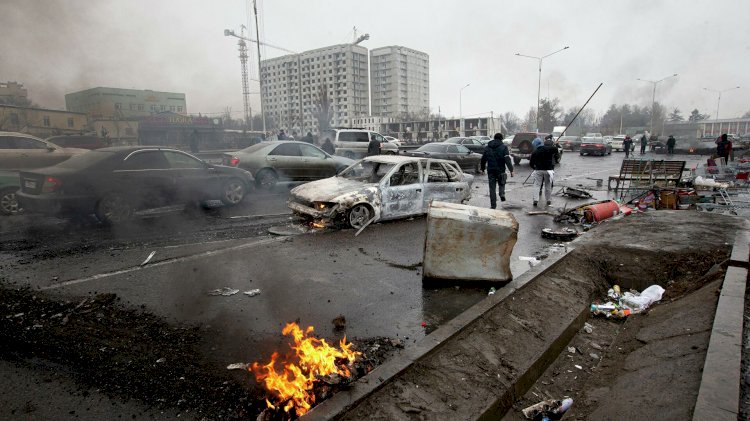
(393, 140)
(617, 142)
(380, 188)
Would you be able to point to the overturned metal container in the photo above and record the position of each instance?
(468, 244)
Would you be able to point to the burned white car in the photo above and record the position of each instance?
(380, 188)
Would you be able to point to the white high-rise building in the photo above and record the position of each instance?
(400, 80)
(296, 86)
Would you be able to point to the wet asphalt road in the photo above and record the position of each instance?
(374, 280)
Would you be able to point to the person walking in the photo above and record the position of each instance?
(537, 142)
(627, 145)
(327, 146)
(496, 158)
(542, 161)
(644, 142)
(373, 148)
(671, 141)
(282, 135)
(308, 138)
(723, 147)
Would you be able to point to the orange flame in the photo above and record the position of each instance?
(293, 385)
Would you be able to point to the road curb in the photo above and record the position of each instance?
(719, 392)
(382, 375)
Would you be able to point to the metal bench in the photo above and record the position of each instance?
(639, 173)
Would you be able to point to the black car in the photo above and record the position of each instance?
(474, 145)
(465, 158)
(112, 183)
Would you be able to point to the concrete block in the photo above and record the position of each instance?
(466, 243)
(741, 250)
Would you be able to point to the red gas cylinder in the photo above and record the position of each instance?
(601, 211)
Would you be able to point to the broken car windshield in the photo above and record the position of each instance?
(366, 171)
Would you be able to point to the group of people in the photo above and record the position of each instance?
(627, 144)
(496, 159)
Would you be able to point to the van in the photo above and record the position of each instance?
(352, 143)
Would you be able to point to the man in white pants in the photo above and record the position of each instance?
(542, 161)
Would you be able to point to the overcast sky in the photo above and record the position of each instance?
(61, 46)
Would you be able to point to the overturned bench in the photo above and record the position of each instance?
(641, 172)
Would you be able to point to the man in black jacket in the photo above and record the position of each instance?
(542, 161)
(496, 158)
(373, 148)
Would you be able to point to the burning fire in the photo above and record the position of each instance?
(313, 358)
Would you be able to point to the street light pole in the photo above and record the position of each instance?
(653, 97)
(539, 82)
(719, 101)
(461, 111)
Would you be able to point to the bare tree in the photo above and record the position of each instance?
(323, 109)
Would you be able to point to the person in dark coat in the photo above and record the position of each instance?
(373, 148)
(671, 141)
(627, 145)
(308, 138)
(327, 146)
(496, 159)
(644, 142)
(194, 141)
(542, 161)
(723, 147)
(282, 135)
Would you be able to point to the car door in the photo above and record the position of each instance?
(10, 157)
(442, 182)
(316, 164)
(194, 180)
(286, 159)
(33, 153)
(144, 178)
(403, 192)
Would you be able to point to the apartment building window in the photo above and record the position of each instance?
(70, 122)
(140, 107)
(172, 108)
(153, 107)
(45, 120)
(162, 107)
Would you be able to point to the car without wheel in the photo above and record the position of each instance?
(466, 159)
(20, 151)
(113, 183)
(380, 188)
(285, 160)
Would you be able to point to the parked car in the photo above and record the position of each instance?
(508, 140)
(595, 146)
(285, 160)
(9, 185)
(352, 143)
(466, 159)
(484, 139)
(617, 144)
(379, 188)
(472, 144)
(20, 151)
(521, 147)
(571, 143)
(78, 141)
(393, 140)
(113, 183)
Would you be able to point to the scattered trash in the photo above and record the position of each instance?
(226, 291)
(594, 356)
(161, 360)
(572, 349)
(588, 328)
(339, 322)
(551, 409)
(596, 346)
(492, 291)
(575, 193)
(578, 367)
(533, 261)
(252, 292)
(640, 302)
(424, 324)
(148, 259)
(610, 310)
(238, 366)
(564, 234)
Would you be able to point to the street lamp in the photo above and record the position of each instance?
(539, 86)
(719, 101)
(461, 111)
(653, 96)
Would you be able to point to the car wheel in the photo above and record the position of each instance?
(516, 161)
(9, 201)
(266, 179)
(233, 192)
(113, 209)
(358, 216)
(390, 153)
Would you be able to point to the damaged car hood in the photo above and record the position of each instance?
(328, 189)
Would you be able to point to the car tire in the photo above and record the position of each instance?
(113, 209)
(233, 192)
(9, 201)
(516, 161)
(358, 216)
(390, 153)
(266, 179)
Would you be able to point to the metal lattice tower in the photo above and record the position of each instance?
(245, 86)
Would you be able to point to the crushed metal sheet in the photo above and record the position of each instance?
(226, 291)
(148, 259)
(239, 366)
(252, 292)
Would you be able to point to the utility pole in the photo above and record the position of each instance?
(245, 87)
(653, 97)
(539, 83)
(719, 101)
